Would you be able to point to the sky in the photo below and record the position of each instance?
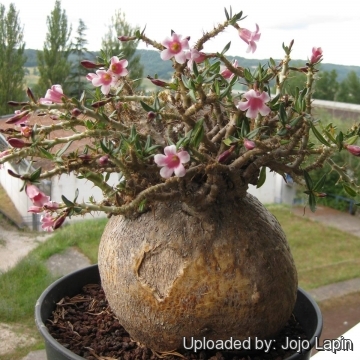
(331, 25)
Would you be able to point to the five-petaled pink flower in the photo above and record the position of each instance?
(255, 103)
(227, 73)
(118, 67)
(53, 95)
(172, 162)
(37, 197)
(103, 78)
(316, 55)
(250, 37)
(194, 56)
(175, 47)
(48, 222)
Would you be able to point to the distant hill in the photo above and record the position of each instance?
(153, 64)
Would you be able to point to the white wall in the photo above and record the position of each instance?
(274, 190)
(66, 185)
(12, 186)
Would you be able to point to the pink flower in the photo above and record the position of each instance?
(194, 55)
(26, 131)
(250, 38)
(316, 55)
(35, 209)
(118, 67)
(37, 197)
(51, 205)
(255, 104)
(172, 162)
(175, 47)
(353, 149)
(103, 78)
(228, 74)
(47, 222)
(53, 95)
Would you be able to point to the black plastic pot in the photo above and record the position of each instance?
(306, 311)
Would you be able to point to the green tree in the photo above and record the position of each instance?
(327, 85)
(349, 89)
(12, 58)
(112, 46)
(54, 66)
(78, 72)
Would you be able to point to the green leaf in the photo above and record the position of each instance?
(312, 202)
(352, 140)
(197, 133)
(318, 135)
(262, 177)
(67, 202)
(185, 81)
(35, 175)
(61, 151)
(146, 107)
(76, 195)
(349, 190)
(320, 184)
(339, 140)
(226, 14)
(245, 127)
(192, 95)
(226, 48)
(282, 114)
(195, 69)
(328, 134)
(295, 121)
(308, 180)
(46, 154)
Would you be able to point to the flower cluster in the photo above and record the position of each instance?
(42, 203)
(201, 132)
(108, 78)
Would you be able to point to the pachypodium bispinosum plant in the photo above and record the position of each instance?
(188, 140)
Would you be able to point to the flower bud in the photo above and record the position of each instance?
(158, 82)
(19, 116)
(104, 160)
(13, 174)
(17, 103)
(85, 158)
(90, 65)
(225, 155)
(151, 115)
(59, 221)
(316, 55)
(126, 38)
(17, 143)
(30, 95)
(249, 145)
(353, 149)
(321, 194)
(100, 103)
(76, 112)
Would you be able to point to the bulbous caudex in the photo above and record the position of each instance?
(171, 273)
